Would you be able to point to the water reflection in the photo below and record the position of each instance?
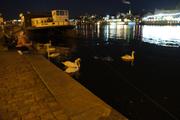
(168, 36)
(111, 31)
(162, 35)
(98, 30)
(116, 31)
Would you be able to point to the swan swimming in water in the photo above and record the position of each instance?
(53, 55)
(128, 57)
(72, 66)
(51, 51)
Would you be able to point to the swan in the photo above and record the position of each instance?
(72, 66)
(20, 52)
(51, 51)
(53, 55)
(128, 57)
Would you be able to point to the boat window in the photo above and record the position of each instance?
(66, 12)
(57, 12)
(62, 13)
(49, 20)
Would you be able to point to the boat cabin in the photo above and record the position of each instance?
(54, 18)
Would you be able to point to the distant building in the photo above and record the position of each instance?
(159, 11)
(163, 17)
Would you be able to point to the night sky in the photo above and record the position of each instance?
(11, 8)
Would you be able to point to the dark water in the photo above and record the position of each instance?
(148, 88)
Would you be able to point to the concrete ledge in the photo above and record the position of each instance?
(77, 102)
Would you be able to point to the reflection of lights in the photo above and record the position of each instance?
(162, 35)
(106, 32)
(125, 31)
(98, 23)
(120, 27)
(117, 31)
(112, 31)
(98, 30)
(120, 31)
(131, 23)
(112, 25)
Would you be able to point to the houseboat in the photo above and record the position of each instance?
(56, 19)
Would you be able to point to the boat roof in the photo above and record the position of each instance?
(38, 15)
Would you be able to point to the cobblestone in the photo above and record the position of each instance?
(23, 96)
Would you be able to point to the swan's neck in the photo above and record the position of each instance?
(132, 55)
(77, 63)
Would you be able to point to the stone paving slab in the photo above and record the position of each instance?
(23, 95)
(77, 102)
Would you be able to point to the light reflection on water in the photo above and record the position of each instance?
(168, 36)
(115, 31)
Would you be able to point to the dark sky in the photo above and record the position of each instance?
(11, 8)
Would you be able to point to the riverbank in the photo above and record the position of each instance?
(34, 88)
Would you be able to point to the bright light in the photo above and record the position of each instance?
(98, 23)
(112, 25)
(163, 17)
(126, 20)
(162, 35)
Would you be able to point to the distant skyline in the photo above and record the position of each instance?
(10, 9)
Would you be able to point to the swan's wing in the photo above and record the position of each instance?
(54, 55)
(71, 70)
(125, 56)
(69, 64)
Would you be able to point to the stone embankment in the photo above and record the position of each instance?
(32, 88)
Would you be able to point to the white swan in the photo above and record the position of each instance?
(51, 51)
(128, 57)
(72, 66)
(53, 55)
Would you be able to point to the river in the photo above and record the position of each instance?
(146, 89)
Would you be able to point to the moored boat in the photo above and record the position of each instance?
(56, 19)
